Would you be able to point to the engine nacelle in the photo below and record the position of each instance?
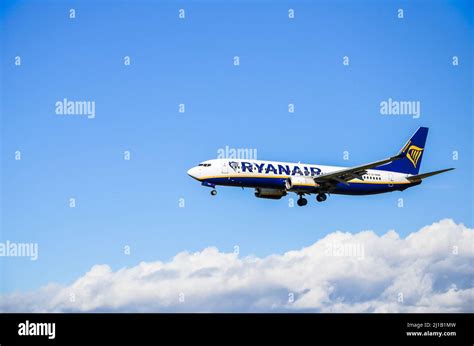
(298, 183)
(269, 193)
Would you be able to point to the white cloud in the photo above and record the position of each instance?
(429, 271)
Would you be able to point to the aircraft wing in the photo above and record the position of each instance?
(344, 175)
(419, 177)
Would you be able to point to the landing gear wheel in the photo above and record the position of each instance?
(321, 197)
(213, 192)
(302, 201)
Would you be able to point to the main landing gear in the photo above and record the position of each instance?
(302, 201)
(213, 192)
(321, 197)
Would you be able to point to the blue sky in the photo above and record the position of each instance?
(190, 61)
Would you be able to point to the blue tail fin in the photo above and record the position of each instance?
(413, 153)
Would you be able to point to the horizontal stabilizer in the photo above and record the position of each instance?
(419, 177)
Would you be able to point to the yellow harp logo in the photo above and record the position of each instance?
(414, 154)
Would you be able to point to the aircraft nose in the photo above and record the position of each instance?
(192, 172)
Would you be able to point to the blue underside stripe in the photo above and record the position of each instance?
(279, 183)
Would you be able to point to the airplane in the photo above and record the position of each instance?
(273, 180)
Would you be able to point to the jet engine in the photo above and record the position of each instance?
(269, 193)
(300, 183)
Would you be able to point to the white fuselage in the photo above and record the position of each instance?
(273, 174)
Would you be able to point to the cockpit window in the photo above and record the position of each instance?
(205, 164)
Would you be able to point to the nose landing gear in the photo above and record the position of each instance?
(213, 192)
